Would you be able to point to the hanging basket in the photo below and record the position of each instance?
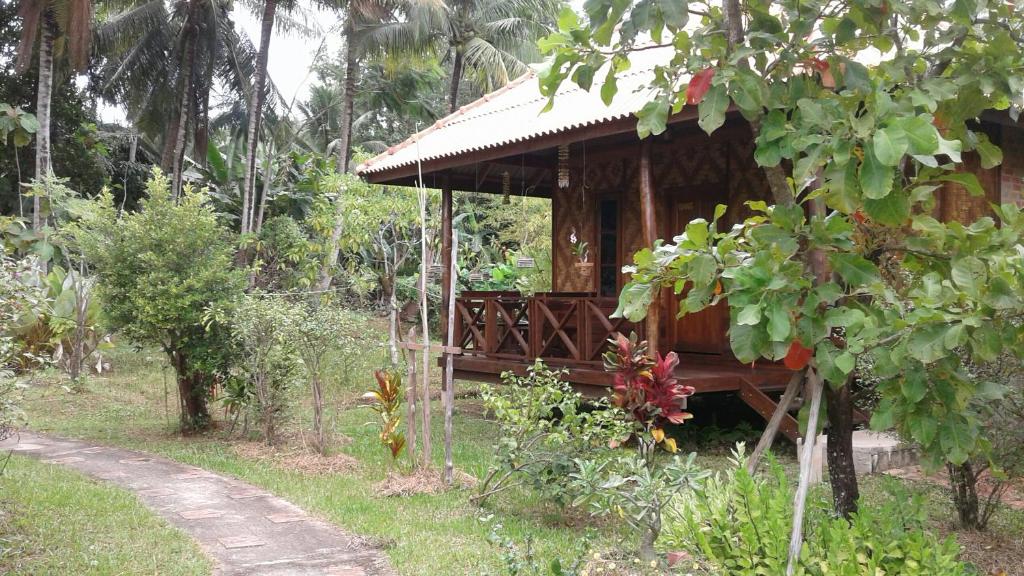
(525, 262)
(435, 270)
(476, 276)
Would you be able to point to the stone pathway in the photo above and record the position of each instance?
(246, 530)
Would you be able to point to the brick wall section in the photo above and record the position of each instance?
(1011, 181)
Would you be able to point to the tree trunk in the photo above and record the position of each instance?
(201, 137)
(192, 394)
(255, 110)
(268, 179)
(965, 494)
(344, 143)
(841, 472)
(43, 112)
(453, 90)
(186, 72)
(318, 415)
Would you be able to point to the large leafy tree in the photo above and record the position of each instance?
(47, 25)
(861, 111)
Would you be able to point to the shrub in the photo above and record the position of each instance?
(319, 329)
(17, 298)
(738, 524)
(544, 428)
(159, 270)
(263, 327)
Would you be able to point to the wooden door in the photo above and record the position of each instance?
(703, 332)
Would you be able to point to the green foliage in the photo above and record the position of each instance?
(738, 524)
(285, 256)
(159, 270)
(17, 124)
(263, 328)
(544, 428)
(871, 143)
(18, 296)
(387, 403)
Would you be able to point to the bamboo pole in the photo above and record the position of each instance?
(424, 308)
(765, 443)
(449, 384)
(410, 402)
(815, 383)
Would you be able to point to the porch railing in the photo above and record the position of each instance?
(559, 327)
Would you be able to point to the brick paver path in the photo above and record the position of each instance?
(246, 530)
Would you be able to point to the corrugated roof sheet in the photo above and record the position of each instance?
(514, 114)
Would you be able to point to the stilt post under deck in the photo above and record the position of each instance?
(650, 234)
(446, 256)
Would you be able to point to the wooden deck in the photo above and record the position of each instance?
(501, 332)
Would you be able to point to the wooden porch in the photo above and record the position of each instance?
(507, 331)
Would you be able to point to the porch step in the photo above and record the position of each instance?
(765, 406)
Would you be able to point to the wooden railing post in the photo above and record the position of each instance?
(490, 325)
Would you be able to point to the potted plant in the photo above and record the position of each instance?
(581, 250)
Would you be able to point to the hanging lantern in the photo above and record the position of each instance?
(563, 166)
(506, 186)
(525, 262)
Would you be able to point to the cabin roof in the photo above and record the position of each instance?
(514, 114)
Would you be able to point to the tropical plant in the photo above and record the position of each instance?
(158, 271)
(638, 487)
(871, 142)
(736, 523)
(64, 24)
(263, 326)
(647, 391)
(386, 401)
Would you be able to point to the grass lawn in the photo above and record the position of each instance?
(57, 521)
(423, 534)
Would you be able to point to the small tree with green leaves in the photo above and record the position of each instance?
(159, 269)
(318, 330)
(860, 111)
(264, 329)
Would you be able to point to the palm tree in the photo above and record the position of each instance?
(492, 39)
(162, 60)
(257, 98)
(50, 20)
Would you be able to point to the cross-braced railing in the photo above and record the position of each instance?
(560, 328)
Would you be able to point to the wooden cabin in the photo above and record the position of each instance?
(621, 194)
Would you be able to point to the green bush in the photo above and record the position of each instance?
(739, 525)
(544, 428)
(160, 270)
(264, 327)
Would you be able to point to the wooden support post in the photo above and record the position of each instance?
(650, 234)
(447, 258)
(815, 383)
(449, 384)
(410, 401)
